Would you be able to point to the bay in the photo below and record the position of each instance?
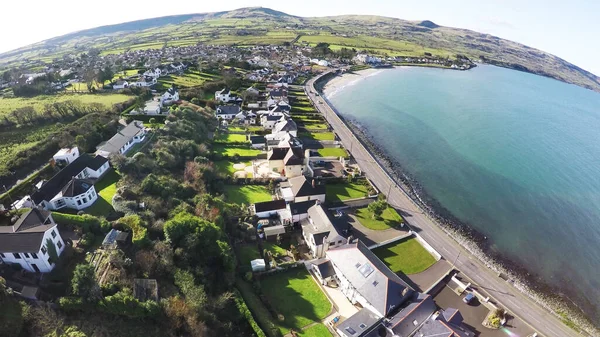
(513, 155)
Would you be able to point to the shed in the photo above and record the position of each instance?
(31, 293)
(115, 238)
(258, 265)
(274, 230)
(145, 289)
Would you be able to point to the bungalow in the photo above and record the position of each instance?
(27, 242)
(120, 85)
(289, 162)
(66, 156)
(300, 188)
(319, 233)
(227, 111)
(170, 96)
(120, 143)
(72, 186)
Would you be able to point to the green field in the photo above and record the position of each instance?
(243, 129)
(19, 139)
(315, 126)
(233, 150)
(317, 330)
(247, 194)
(406, 256)
(389, 219)
(8, 105)
(346, 191)
(333, 152)
(296, 296)
(230, 138)
(189, 79)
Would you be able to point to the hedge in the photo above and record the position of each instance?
(243, 308)
(121, 304)
(140, 232)
(257, 308)
(87, 223)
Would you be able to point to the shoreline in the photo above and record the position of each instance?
(531, 285)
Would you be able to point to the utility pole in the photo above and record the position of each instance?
(456, 260)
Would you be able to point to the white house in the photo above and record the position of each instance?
(72, 187)
(269, 120)
(170, 96)
(66, 156)
(319, 233)
(227, 111)
(120, 85)
(156, 73)
(27, 242)
(121, 142)
(267, 209)
(286, 126)
(223, 96)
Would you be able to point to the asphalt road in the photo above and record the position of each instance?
(513, 300)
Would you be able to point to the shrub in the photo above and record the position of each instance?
(243, 308)
(87, 223)
(140, 232)
(124, 304)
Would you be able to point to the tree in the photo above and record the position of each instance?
(141, 103)
(377, 208)
(84, 283)
(81, 143)
(104, 75)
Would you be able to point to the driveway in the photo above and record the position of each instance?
(475, 312)
(430, 277)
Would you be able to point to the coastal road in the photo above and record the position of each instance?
(512, 299)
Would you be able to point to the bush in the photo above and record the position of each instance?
(243, 308)
(140, 232)
(87, 223)
(124, 304)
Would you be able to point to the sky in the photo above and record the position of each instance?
(568, 29)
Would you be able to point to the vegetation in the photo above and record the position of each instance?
(317, 330)
(296, 297)
(106, 189)
(247, 253)
(231, 151)
(226, 167)
(318, 135)
(247, 194)
(345, 191)
(406, 256)
(388, 218)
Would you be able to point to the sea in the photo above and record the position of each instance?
(512, 155)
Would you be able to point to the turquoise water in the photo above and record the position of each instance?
(514, 155)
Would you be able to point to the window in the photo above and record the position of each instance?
(84, 200)
(350, 330)
(53, 234)
(44, 250)
(16, 255)
(78, 202)
(2, 255)
(34, 255)
(59, 244)
(26, 255)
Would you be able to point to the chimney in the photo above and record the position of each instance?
(313, 183)
(349, 240)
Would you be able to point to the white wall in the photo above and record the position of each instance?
(78, 202)
(350, 292)
(320, 197)
(27, 260)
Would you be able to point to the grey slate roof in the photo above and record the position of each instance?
(257, 140)
(277, 153)
(286, 125)
(62, 178)
(379, 285)
(318, 224)
(440, 326)
(116, 142)
(76, 187)
(402, 323)
(359, 324)
(294, 156)
(302, 187)
(228, 110)
(269, 206)
(325, 268)
(301, 207)
(26, 235)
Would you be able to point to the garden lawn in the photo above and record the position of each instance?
(231, 138)
(389, 219)
(249, 252)
(315, 126)
(296, 296)
(346, 191)
(106, 189)
(243, 128)
(333, 152)
(233, 150)
(406, 256)
(247, 194)
(226, 166)
(318, 135)
(317, 330)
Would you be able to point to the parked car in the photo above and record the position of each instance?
(467, 299)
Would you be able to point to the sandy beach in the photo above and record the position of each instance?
(337, 83)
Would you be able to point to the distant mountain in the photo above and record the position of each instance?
(257, 25)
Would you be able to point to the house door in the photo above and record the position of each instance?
(35, 267)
